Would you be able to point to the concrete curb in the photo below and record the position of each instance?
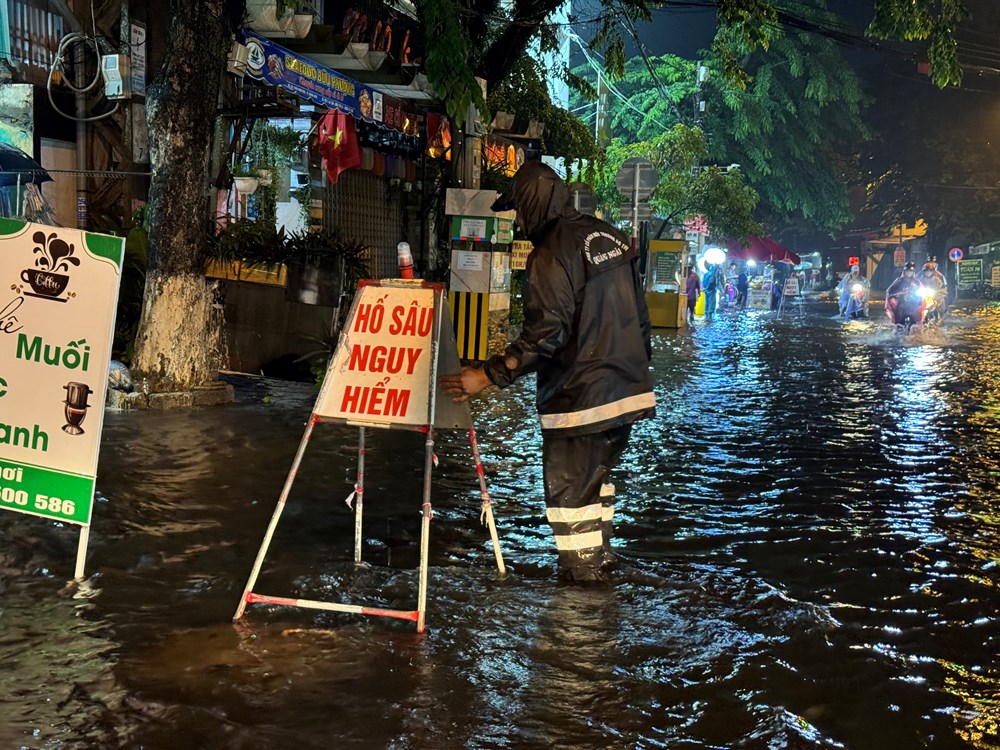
(210, 394)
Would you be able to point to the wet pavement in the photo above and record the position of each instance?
(810, 524)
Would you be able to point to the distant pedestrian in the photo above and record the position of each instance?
(742, 287)
(693, 289)
(732, 274)
(711, 282)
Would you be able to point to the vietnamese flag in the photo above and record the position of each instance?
(338, 143)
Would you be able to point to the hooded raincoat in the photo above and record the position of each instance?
(586, 335)
(586, 326)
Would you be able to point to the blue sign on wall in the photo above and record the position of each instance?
(278, 66)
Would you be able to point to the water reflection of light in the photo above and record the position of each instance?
(918, 406)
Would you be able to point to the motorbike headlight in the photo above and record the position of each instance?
(925, 292)
(857, 288)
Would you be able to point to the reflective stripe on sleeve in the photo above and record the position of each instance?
(574, 515)
(574, 542)
(607, 490)
(598, 413)
(608, 513)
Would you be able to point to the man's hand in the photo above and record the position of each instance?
(470, 382)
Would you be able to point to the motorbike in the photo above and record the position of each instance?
(935, 306)
(857, 302)
(910, 309)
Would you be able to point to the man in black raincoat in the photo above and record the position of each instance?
(586, 334)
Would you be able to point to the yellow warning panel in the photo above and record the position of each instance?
(470, 317)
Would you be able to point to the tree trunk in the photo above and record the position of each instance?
(180, 342)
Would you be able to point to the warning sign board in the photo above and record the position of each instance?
(520, 250)
(792, 286)
(397, 340)
(381, 371)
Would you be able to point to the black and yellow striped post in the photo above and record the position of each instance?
(470, 317)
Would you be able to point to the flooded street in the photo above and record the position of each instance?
(811, 527)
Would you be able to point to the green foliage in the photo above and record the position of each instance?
(447, 59)
(719, 196)
(325, 248)
(259, 245)
(281, 6)
(253, 242)
(743, 27)
(652, 104)
(933, 20)
(648, 125)
(271, 151)
(488, 36)
(525, 95)
(318, 359)
(794, 128)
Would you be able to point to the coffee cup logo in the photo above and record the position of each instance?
(54, 258)
(44, 283)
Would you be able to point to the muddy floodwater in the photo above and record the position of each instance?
(810, 526)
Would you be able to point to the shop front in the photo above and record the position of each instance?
(371, 158)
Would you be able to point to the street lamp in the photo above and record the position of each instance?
(714, 255)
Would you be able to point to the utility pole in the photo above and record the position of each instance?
(699, 113)
(597, 111)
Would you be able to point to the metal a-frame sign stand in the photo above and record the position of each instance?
(786, 292)
(384, 374)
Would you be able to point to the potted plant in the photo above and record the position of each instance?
(271, 151)
(322, 266)
(245, 246)
(245, 179)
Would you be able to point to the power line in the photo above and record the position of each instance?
(630, 27)
(610, 86)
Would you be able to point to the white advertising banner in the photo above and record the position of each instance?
(759, 299)
(57, 319)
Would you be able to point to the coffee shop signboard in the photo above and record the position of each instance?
(58, 294)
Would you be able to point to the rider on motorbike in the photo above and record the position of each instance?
(846, 285)
(931, 277)
(906, 283)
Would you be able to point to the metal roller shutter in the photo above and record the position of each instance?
(366, 207)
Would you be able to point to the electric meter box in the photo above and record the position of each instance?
(114, 69)
(493, 229)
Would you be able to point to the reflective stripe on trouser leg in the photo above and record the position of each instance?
(575, 470)
(573, 503)
(607, 514)
(577, 530)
